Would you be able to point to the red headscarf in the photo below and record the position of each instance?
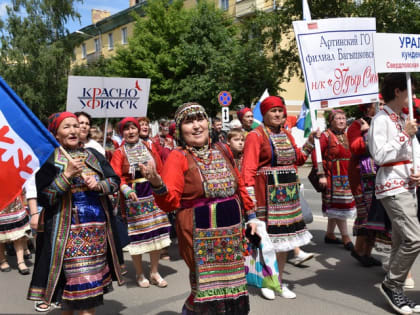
(56, 119)
(241, 113)
(271, 102)
(126, 120)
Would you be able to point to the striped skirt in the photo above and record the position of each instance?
(285, 225)
(14, 222)
(148, 226)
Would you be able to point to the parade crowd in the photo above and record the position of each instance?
(214, 190)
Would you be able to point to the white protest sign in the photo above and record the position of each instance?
(397, 52)
(108, 97)
(337, 61)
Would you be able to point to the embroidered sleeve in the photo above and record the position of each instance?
(383, 147)
(58, 187)
(108, 186)
(126, 190)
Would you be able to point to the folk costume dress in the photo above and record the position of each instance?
(148, 226)
(206, 188)
(76, 256)
(14, 221)
(371, 217)
(337, 199)
(269, 170)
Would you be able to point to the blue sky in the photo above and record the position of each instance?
(84, 9)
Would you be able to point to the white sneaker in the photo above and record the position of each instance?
(301, 258)
(268, 293)
(286, 293)
(409, 283)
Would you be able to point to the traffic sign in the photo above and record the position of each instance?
(225, 114)
(224, 98)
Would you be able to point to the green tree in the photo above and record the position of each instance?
(36, 51)
(152, 51)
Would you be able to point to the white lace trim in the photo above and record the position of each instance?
(138, 249)
(11, 236)
(289, 242)
(340, 214)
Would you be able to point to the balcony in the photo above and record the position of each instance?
(93, 56)
(248, 7)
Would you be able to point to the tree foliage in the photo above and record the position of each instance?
(35, 52)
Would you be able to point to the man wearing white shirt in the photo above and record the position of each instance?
(390, 143)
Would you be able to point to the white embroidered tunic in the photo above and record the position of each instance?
(391, 149)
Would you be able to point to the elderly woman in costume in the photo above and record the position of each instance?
(201, 181)
(148, 226)
(246, 118)
(76, 257)
(337, 200)
(269, 169)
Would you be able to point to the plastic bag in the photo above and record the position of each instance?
(261, 267)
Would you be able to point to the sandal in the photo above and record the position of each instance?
(142, 282)
(27, 255)
(7, 269)
(156, 279)
(23, 271)
(41, 306)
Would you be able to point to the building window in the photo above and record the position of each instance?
(224, 5)
(97, 45)
(110, 41)
(83, 51)
(124, 36)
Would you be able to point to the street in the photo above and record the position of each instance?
(331, 283)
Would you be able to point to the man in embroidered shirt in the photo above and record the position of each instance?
(390, 140)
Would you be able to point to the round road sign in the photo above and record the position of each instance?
(224, 98)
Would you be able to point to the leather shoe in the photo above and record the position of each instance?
(349, 246)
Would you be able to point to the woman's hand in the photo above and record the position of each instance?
(323, 182)
(410, 127)
(133, 196)
(253, 228)
(364, 126)
(74, 168)
(91, 183)
(314, 134)
(34, 221)
(149, 172)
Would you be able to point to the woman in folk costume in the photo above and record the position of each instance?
(246, 118)
(269, 170)
(148, 226)
(76, 256)
(14, 227)
(200, 180)
(370, 221)
(337, 199)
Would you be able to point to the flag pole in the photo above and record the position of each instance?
(307, 17)
(411, 115)
(65, 153)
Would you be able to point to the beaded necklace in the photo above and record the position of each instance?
(283, 150)
(203, 154)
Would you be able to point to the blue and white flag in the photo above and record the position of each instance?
(25, 144)
(257, 111)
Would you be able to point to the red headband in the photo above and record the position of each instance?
(56, 119)
(271, 102)
(241, 113)
(123, 122)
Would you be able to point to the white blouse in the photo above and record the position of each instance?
(389, 144)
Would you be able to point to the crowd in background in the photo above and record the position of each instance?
(209, 186)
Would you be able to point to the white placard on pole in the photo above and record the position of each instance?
(108, 97)
(337, 61)
(399, 53)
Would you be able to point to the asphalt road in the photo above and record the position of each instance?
(331, 283)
